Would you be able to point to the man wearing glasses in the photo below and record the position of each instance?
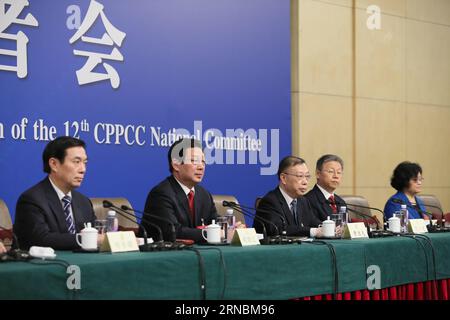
(285, 206)
(179, 198)
(324, 201)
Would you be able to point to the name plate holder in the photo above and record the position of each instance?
(120, 241)
(417, 226)
(355, 230)
(245, 237)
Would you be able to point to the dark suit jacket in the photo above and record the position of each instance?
(321, 207)
(169, 201)
(40, 218)
(273, 206)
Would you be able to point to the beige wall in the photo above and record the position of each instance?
(374, 97)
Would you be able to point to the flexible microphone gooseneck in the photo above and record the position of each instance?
(147, 214)
(430, 227)
(157, 245)
(262, 221)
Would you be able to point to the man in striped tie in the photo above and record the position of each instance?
(50, 213)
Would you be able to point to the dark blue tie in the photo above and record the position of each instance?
(69, 220)
(294, 210)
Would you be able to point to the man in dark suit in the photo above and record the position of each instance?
(50, 213)
(329, 170)
(179, 198)
(285, 207)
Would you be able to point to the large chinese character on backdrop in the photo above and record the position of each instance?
(112, 36)
(9, 14)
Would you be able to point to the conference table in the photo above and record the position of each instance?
(263, 272)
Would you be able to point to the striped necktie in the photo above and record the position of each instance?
(294, 210)
(69, 220)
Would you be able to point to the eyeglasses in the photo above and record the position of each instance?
(332, 172)
(299, 176)
(195, 162)
(416, 180)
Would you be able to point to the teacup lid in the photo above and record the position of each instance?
(213, 225)
(88, 228)
(328, 221)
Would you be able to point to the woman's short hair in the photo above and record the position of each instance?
(404, 172)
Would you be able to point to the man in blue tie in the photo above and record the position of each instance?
(50, 213)
(285, 206)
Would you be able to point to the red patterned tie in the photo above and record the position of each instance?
(191, 205)
(332, 204)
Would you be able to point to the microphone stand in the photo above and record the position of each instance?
(267, 239)
(157, 245)
(430, 227)
(176, 245)
(283, 237)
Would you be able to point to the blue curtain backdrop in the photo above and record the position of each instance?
(191, 64)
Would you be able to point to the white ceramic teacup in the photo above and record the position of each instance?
(89, 237)
(394, 224)
(329, 228)
(213, 232)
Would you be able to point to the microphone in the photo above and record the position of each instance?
(147, 214)
(262, 221)
(145, 246)
(442, 215)
(431, 228)
(283, 220)
(373, 218)
(372, 233)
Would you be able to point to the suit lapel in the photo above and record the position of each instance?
(197, 204)
(286, 210)
(182, 200)
(56, 206)
(76, 212)
(323, 202)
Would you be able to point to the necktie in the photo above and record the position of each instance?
(191, 205)
(294, 210)
(69, 220)
(332, 204)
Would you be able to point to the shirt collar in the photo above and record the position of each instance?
(325, 192)
(185, 189)
(286, 197)
(60, 194)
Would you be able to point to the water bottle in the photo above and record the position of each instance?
(112, 224)
(405, 218)
(343, 215)
(231, 224)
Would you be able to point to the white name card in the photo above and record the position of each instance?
(417, 226)
(120, 241)
(245, 237)
(355, 230)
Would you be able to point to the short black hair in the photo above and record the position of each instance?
(404, 172)
(288, 162)
(327, 158)
(57, 149)
(176, 150)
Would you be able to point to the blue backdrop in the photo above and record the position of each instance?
(164, 64)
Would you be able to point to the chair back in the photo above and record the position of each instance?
(353, 201)
(221, 210)
(6, 232)
(431, 202)
(101, 212)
